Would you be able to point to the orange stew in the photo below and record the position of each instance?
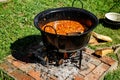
(63, 27)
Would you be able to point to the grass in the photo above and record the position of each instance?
(4, 76)
(115, 75)
(16, 22)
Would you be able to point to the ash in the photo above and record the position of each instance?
(67, 68)
(65, 71)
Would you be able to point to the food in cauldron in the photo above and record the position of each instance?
(64, 27)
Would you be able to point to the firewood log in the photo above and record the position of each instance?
(102, 52)
(93, 40)
(101, 37)
(4, 0)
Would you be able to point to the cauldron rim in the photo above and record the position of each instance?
(49, 11)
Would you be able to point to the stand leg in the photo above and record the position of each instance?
(57, 58)
(80, 60)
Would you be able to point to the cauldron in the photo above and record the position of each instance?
(66, 43)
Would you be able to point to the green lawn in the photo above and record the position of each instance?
(16, 22)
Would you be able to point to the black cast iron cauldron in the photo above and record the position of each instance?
(66, 43)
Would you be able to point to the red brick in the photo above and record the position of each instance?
(8, 67)
(97, 72)
(26, 67)
(88, 70)
(95, 61)
(101, 69)
(89, 51)
(19, 75)
(78, 77)
(108, 60)
(35, 74)
(17, 63)
(10, 58)
(91, 76)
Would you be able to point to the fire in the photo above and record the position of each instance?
(65, 55)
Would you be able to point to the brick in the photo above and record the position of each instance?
(20, 75)
(101, 69)
(8, 67)
(89, 68)
(35, 74)
(91, 76)
(26, 67)
(95, 61)
(89, 51)
(10, 58)
(97, 72)
(78, 77)
(17, 63)
(86, 57)
(108, 60)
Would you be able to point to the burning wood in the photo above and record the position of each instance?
(65, 55)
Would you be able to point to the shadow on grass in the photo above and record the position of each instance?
(22, 48)
(109, 24)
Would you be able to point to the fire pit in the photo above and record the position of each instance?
(51, 57)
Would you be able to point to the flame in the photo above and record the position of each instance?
(65, 55)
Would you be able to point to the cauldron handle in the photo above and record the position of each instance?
(51, 27)
(55, 34)
(74, 2)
